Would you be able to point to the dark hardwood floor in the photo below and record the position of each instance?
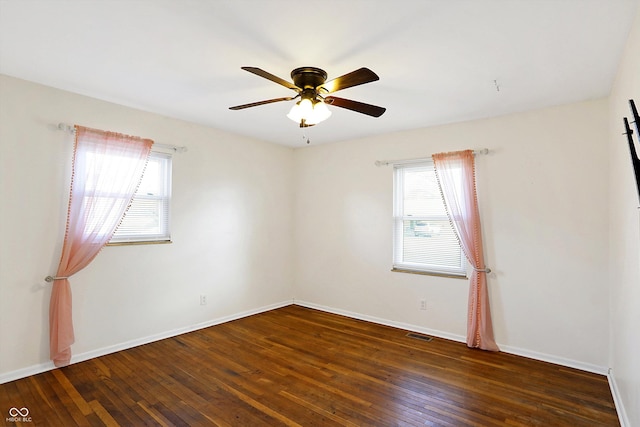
(300, 367)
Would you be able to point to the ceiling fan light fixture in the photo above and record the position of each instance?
(308, 113)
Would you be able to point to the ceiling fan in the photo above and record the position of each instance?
(311, 85)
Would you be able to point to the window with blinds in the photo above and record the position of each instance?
(147, 220)
(424, 239)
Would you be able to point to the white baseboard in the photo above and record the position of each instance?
(459, 338)
(556, 360)
(381, 321)
(47, 366)
(622, 413)
(25, 372)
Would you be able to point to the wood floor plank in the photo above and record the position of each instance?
(102, 413)
(296, 366)
(82, 405)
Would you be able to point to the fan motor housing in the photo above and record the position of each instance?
(308, 77)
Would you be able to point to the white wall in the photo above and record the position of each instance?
(542, 190)
(231, 215)
(625, 235)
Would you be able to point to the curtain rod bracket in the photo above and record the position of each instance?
(50, 279)
(67, 128)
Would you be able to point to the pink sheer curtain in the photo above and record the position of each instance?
(456, 176)
(107, 169)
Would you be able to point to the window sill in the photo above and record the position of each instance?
(150, 242)
(428, 273)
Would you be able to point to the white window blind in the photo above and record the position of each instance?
(424, 239)
(147, 220)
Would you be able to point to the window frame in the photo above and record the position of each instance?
(164, 199)
(399, 218)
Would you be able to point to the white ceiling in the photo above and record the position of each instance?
(439, 61)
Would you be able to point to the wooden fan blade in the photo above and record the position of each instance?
(269, 76)
(255, 104)
(360, 107)
(354, 78)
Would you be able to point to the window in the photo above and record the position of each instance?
(147, 220)
(424, 240)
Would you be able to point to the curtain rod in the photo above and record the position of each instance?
(391, 162)
(71, 129)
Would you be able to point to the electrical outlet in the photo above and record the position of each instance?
(423, 304)
(203, 300)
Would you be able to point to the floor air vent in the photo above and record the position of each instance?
(419, 337)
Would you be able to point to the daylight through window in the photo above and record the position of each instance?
(424, 240)
(147, 220)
